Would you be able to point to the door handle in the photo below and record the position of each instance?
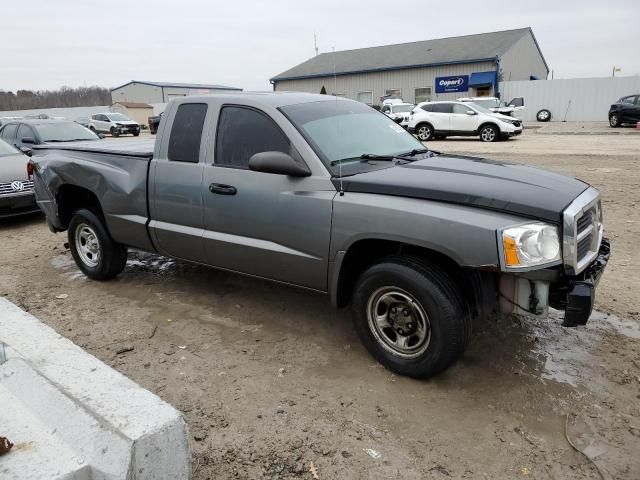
(222, 189)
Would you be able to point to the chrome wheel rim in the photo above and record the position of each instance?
(613, 120)
(424, 133)
(87, 245)
(543, 115)
(488, 134)
(398, 322)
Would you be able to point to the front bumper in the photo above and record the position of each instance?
(576, 295)
(124, 129)
(18, 204)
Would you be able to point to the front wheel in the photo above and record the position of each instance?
(489, 133)
(411, 317)
(135, 134)
(115, 132)
(614, 120)
(424, 132)
(93, 249)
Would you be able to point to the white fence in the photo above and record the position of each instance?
(575, 99)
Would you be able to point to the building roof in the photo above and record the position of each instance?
(442, 51)
(133, 104)
(179, 85)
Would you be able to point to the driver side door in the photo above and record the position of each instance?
(264, 224)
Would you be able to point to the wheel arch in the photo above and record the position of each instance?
(71, 198)
(477, 286)
(488, 122)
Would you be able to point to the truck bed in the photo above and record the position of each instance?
(135, 147)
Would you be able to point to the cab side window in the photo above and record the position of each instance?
(186, 133)
(24, 131)
(243, 132)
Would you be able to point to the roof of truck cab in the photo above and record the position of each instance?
(273, 99)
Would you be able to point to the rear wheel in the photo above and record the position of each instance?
(93, 249)
(424, 132)
(411, 317)
(614, 120)
(489, 133)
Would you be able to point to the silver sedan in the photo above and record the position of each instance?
(16, 188)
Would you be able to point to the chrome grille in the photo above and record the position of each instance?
(7, 189)
(582, 231)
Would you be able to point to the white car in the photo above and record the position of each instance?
(496, 106)
(431, 120)
(114, 123)
(398, 112)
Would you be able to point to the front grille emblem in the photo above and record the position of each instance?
(17, 186)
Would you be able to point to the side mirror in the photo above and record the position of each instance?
(27, 151)
(279, 163)
(29, 140)
(471, 112)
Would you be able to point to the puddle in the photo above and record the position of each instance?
(627, 328)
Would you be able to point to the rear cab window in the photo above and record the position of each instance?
(186, 133)
(9, 132)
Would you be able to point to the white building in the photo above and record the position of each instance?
(137, 91)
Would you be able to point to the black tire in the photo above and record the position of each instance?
(489, 133)
(109, 257)
(135, 134)
(614, 120)
(92, 128)
(435, 294)
(543, 115)
(424, 132)
(114, 132)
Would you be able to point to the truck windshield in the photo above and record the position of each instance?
(64, 132)
(345, 130)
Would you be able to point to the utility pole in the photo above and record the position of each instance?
(315, 42)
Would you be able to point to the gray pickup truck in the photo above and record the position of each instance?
(327, 194)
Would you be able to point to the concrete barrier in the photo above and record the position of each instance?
(70, 416)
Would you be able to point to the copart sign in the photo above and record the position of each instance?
(458, 83)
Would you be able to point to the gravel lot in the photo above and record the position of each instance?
(271, 379)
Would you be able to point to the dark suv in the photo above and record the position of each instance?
(625, 110)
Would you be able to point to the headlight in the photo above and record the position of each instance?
(530, 245)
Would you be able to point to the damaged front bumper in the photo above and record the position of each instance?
(532, 293)
(577, 295)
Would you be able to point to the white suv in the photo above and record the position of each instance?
(431, 120)
(398, 112)
(114, 123)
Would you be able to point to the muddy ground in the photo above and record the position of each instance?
(271, 379)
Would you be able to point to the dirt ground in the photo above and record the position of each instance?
(272, 380)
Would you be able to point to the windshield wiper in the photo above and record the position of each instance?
(414, 152)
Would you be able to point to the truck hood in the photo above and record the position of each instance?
(476, 182)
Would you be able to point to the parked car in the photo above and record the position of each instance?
(625, 110)
(390, 100)
(113, 123)
(431, 120)
(329, 195)
(24, 134)
(496, 105)
(398, 112)
(154, 123)
(16, 186)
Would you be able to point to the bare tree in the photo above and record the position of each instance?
(63, 97)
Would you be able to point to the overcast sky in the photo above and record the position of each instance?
(50, 43)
